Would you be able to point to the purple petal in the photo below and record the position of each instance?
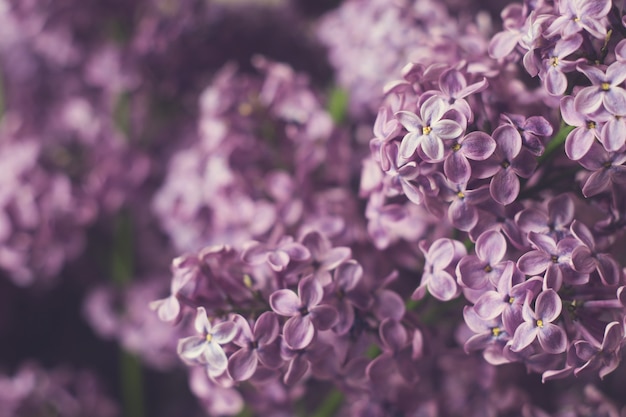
(524, 335)
(393, 335)
(471, 272)
(442, 286)
(336, 256)
(390, 304)
(609, 269)
(224, 332)
(533, 262)
(201, 323)
(296, 251)
(324, 316)
(285, 302)
(613, 337)
(451, 82)
(244, 336)
(269, 354)
(215, 357)
(462, 215)
(432, 147)
(191, 347)
(503, 43)
(555, 81)
(409, 144)
(578, 143)
(543, 242)
(490, 305)
(613, 134)
(478, 146)
(561, 210)
(266, 328)
(311, 292)
(432, 110)
(596, 183)
(296, 370)
(508, 140)
(345, 317)
(478, 342)
(548, 306)
(447, 129)
(348, 275)
(410, 121)
(242, 364)
(299, 332)
(595, 9)
(440, 253)
(504, 187)
(582, 260)
(552, 338)
(588, 100)
(491, 247)
(167, 309)
(457, 168)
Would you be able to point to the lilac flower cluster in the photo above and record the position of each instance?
(434, 229)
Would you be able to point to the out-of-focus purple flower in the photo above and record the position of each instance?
(349, 293)
(538, 324)
(324, 257)
(441, 258)
(278, 257)
(428, 130)
(256, 345)
(605, 357)
(397, 353)
(205, 348)
(305, 312)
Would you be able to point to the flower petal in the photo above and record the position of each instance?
(242, 364)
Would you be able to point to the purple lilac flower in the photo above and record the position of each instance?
(490, 336)
(587, 129)
(305, 312)
(205, 348)
(428, 130)
(538, 324)
(476, 146)
(508, 161)
(604, 357)
(441, 258)
(260, 344)
(507, 300)
(397, 356)
(586, 259)
(486, 267)
(605, 90)
(607, 170)
(553, 258)
(577, 15)
(349, 293)
(556, 222)
(555, 65)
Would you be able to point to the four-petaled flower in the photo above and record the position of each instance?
(538, 324)
(205, 348)
(305, 312)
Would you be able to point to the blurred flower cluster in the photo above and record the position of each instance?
(279, 208)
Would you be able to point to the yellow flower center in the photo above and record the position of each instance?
(488, 269)
(456, 147)
(460, 194)
(576, 19)
(554, 61)
(209, 337)
(511, 300)
(540, 323)
(605, 86)
(426, 130)
(496, 331)
(591, 124)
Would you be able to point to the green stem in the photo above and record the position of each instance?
(556, 143)
(338, 105)
(131, 378)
